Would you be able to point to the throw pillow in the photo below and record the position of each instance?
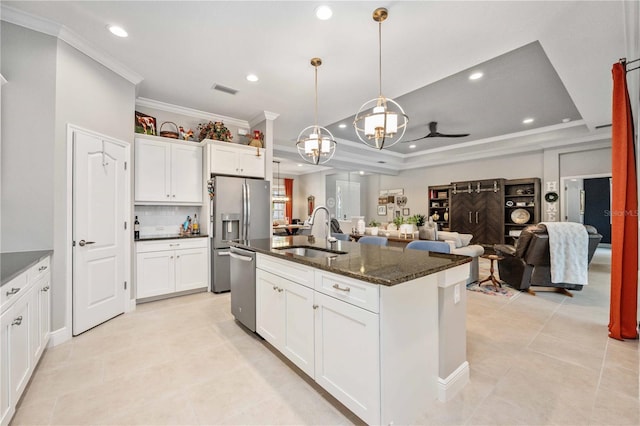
(465, 239)
(450, 236)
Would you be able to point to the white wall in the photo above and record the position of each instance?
(28, 62)
(90, 96)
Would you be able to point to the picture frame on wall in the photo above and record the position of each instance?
(382, 210)
(144, 124)
(405, 212)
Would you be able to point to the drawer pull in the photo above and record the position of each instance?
(174, 245)
(17, 321)
(275, 287)
(12, 291)
(337, 287)
(279, 290)
(45, 288)
(42, 268)
(315, 306)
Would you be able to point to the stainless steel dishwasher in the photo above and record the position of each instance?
(243, 286)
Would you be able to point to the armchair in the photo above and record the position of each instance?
(528, 262)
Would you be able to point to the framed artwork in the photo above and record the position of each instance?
(144, 123)
(405, 212)
(382, 210)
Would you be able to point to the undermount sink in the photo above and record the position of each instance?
(309, 251)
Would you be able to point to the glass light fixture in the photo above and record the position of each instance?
(316, 144)
(279, 198)
(380, 122)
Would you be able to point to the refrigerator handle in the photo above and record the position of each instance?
(248, 220)
(243, 234)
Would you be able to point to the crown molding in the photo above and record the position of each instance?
(46, 26)
(264, 115)
(177, 109)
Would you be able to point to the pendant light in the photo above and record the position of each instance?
(380, 122)
(316, 144)
(279, 198)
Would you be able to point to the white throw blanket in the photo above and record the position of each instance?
(568, 248)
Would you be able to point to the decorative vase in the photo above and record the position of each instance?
(374, 230)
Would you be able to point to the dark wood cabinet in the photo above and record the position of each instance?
(477, 208)
(439, 199)
(522, 206)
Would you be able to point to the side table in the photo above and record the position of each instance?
(491, 278)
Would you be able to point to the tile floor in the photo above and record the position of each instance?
(535, 360)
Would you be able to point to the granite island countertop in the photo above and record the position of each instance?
(379, 265)
(13, 264)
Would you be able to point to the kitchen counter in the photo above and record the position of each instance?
(386, 266)
(170, 237)
(13, 264)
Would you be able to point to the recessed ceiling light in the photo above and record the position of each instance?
(476, 75)
(361, 172)
(323, 12)
(566, 120)
(527, 121)
(252, 77)
(299, 165)
(117, 31)
(412, 146)
(342, 126)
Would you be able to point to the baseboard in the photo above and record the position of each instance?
(449, 387)
(59, 336)
(131, 306)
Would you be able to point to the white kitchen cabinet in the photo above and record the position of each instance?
(231, 159)
(167, 173)
(284, 318)
(24, 332)
(347, 355)
(169, 266)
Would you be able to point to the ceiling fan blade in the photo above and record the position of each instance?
(419, 139)
(442, 135)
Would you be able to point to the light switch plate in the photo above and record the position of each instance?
(456, 294)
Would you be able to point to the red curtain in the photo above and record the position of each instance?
(624, 227)
(288, 192)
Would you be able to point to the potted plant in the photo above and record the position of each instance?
(373, 226)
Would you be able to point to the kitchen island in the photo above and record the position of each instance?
(380, 328)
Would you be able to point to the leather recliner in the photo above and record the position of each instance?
(528, 262)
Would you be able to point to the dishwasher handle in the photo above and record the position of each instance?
(240, 257)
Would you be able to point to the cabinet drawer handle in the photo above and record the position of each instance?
(17, 321)
(174, 245)
(315, 306)
(476, 217)
(279, 290)
(470, 217)
(337, 287)
(275, 287)
(45, 288)
(42, 268)
(12, 291)
(167, 195)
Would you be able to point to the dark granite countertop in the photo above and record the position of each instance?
(14, 263)
(171, 237)
(379, 265)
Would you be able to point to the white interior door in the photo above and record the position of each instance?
(99, 235)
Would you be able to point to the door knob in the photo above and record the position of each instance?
(83, 243)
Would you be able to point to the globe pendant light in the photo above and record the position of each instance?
(380, 122)
(316, 144)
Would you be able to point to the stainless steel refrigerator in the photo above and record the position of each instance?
(240, 210)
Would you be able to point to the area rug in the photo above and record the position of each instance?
(492, 290)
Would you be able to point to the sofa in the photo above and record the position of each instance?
(459, 244)
(528, 262)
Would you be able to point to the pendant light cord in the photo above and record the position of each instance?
(316, 81)
(380, 56)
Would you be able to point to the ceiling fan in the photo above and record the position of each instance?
(433, 133)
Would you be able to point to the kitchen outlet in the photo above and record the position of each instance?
(456, 294)
(243, 132)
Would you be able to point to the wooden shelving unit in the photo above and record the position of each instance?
(439, 199)
(520, 195)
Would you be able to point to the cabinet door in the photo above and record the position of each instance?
(347, 357)
(155, 273)
(463, 212)
(186, 174)
(269, 308)
(224, 160)
(298, 336)
(191, 269)
(35, 338)
(18, 326)
(249, 164)
(152, 171)
(45, 311)
(7, 406)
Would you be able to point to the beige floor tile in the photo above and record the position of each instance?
(568, 351)
(615, 408)
(174, 410)
(619, 379)
(34, 412)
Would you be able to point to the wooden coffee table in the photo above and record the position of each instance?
(491, 278)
